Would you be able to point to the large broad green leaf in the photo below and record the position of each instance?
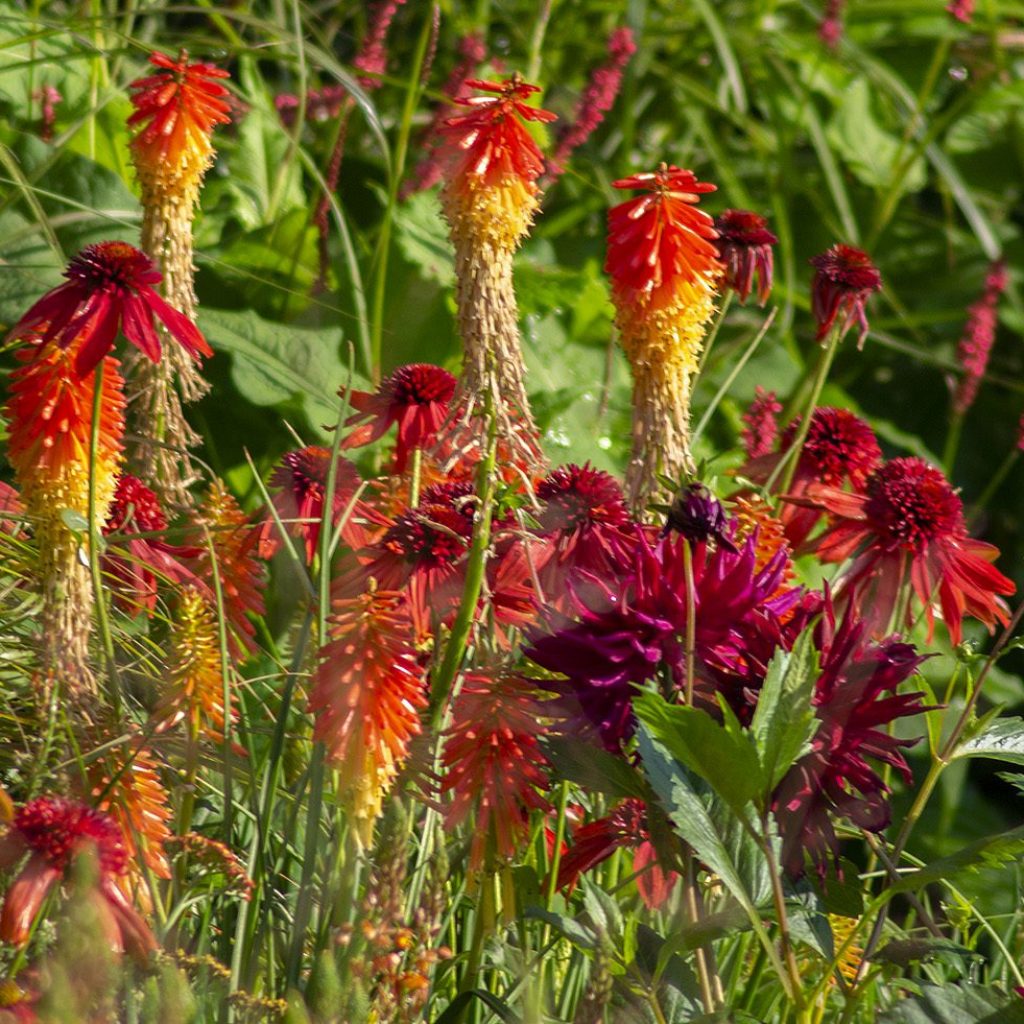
(784, 722)
(422, 235)
(957, 1004)
(992, 851)
(276, 364)
(594, 769)
(1003, 740)
(723, 755)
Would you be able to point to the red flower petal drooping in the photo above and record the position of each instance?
(908, 529)
(416, 397)
(495, 768)
(844, 279)
(109, 289)
(745, 248)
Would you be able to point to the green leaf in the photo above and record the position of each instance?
(273, 364)
(784, 722)
(458, 1006)
(722, 755)
(1003, 740)
(577, 932)
(594, 769)
(422, 236)
(904, 952)
(664, 966)
(604, 912)
(992, 851)
(957, 1004)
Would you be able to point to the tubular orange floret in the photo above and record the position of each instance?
(489, 198)
(664, 270)
(496, 770)
(367, 694)
(236, 542)
(195, 684)
(49, 416)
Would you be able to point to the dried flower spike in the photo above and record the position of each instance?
(844, 279)
(489, 198)
(664, 268)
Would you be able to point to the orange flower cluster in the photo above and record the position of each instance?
(366, 698)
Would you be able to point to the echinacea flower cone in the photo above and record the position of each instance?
(489, 198)
(176, 110)
(50, 431)
(664, 270)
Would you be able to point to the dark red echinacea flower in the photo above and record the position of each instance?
(109, 288)
(908, 529)
(745, 249)
(416, 397)
(844, 279)
(52, 832)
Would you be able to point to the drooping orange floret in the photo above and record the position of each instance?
(235, 540)
(495, 769)
(194, 691)
(49, 415)
(176, 110)
(664, 270)
(366, 697)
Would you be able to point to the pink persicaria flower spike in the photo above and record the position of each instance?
(664, 270)
(415, 397)
(854, 700)
(745, 249)
(830, 29)
(52, 832)
(840, 450)
(962, 10)
(109, 290)
(761, 423)
(979, 334)
(844, 280)
(489, 198)
(496, 771)
(908, 529)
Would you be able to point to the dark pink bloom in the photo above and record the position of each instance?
(761, 420)
(52, 832)
(48, 97)
(854, 698)
(962, 10)
(844, 279)
(979, 334)
(830, 30)
(597, 99)
(109, 289)
(372, 58)
(744, 246)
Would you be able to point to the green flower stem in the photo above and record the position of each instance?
(997, 479)
(716, 326)
(956, 423)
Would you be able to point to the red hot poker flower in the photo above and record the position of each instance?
(745, 248)
(416, 397)
(908, 529)
(109, 288)
(53, 831)
(844, 279)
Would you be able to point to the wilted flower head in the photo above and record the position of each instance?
(854, 699)
(698, 515)
(844, 279)
(109, 289)
(416, 397)
(176, 110)
(53, 832)
(745, 248)
(495, 767)
(908, 529)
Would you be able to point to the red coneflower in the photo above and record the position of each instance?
(109, 289)
(664, 268)
(585, 525)
(597, 99)
(416, 397)
(301, 483)
(489, 198)
(836, 779)
(139, 563)
(761, 423)
(844, 279)
(908, 529)
(53, 831)
(745, 248)
(840, 450)
(979, 334)
(625, 828)
(495, 768)
(366, 698)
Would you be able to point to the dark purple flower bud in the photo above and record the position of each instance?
(698, 515)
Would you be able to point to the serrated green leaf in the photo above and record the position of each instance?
(594, 769)
(422, 235)
(1003, 740)
(957, 1004)
(990, 851)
